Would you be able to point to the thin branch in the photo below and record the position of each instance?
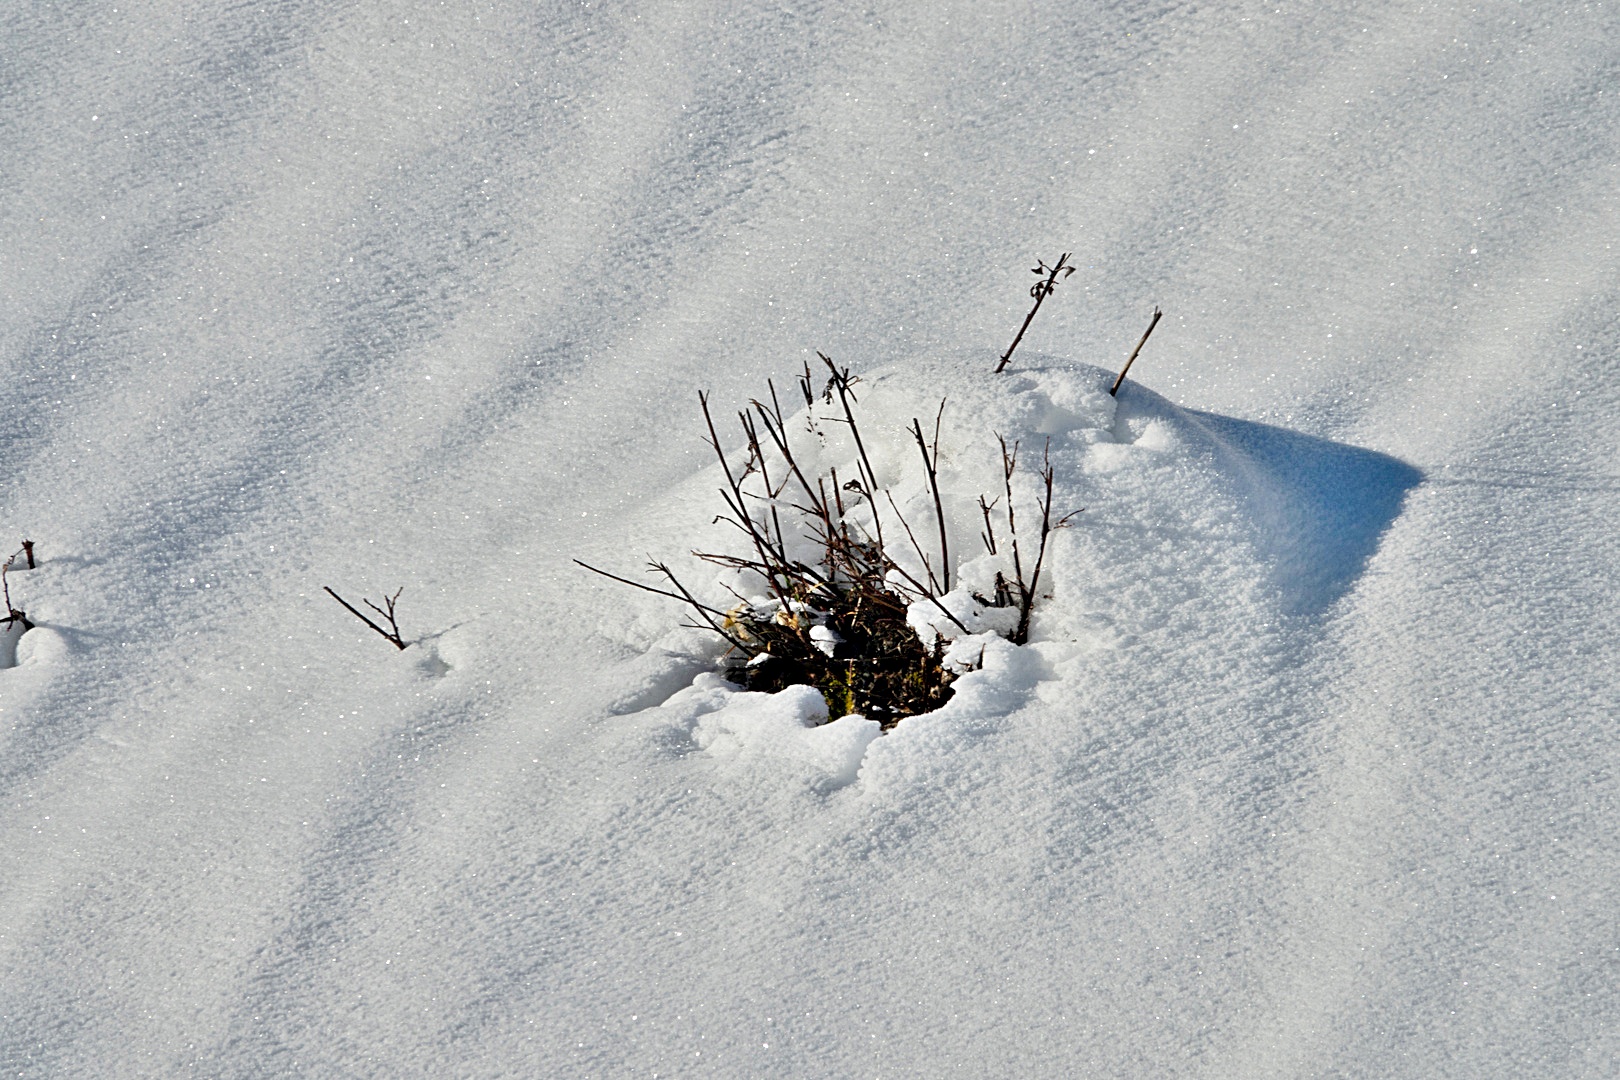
(390, 601)
(646, 588)
(841, 382)
(933, 582)
(757, 455)
(931, 465)
(1114, 390)
(1040, 291)
(926, 595)
(683, 596)
(989, 534)
(392, 637)
(776, 429)
(1021, 635)
(714, 439)
(701, 609)
(1009, 462)
(13, 615)
(938, 416)
(762, 543)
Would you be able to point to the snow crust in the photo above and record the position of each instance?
(1309, 768)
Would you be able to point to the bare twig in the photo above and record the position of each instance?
(707, 613)
(13, 614)
(776, 430)
(757, 455)
(1040, 291)
(1114, 390)
(645, 588)
(769, 558)
(927, 595)
(989, 534)
(1027, 600)
(841, 382)
(933, 580)
(931, 465)
(392, 633)
(1021, 591)
(1009, 462)
(701, 609)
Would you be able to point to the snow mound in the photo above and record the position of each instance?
(1192, 524)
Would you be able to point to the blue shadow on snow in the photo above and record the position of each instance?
(1335, 503)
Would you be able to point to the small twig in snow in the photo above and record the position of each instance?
(1040, 291)
(392, 634)
(1114, 390)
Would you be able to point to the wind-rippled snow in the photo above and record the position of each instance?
(1309, 772)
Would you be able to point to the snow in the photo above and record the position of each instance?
(1307, 770)
(755, 732)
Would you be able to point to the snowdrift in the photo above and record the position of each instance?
(1193, 525)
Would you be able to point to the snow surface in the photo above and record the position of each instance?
(1310, 769)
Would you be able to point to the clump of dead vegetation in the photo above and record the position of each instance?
(832, 575)
(830, 598)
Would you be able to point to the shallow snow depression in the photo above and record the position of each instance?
(1193, 525)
